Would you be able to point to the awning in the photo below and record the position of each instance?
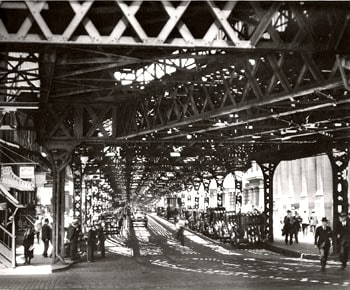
(9, 179)
(8, 196)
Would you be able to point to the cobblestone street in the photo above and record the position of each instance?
(162, 263)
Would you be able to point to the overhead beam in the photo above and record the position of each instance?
(223, 30)
(239, 107)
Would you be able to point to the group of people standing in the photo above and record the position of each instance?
(40, 229)
(324, 237)
(94, 239)
(291, 227)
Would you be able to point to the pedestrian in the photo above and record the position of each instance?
(72, 236)
(180, 226)
(313, 221)
(28, 244)
(46, 234)
(101, 240)
(323, 238)
(91, 243)
(305, 222)
(37, 228)
(296, 226)
(342, 234)
(287, 230)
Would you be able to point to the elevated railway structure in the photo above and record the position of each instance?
(158, 95)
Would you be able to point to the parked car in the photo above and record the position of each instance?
(139, 218)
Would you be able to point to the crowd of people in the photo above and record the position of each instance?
(293, 224)
(92, 240)
(76, 241)
(324, 236)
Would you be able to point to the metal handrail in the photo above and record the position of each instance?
(28, 218)
(5, 230)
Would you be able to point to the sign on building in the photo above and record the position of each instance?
(26, 172)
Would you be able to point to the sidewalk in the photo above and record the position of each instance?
(305, 249)
(39, 265)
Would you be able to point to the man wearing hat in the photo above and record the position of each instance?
(323, 237)
(72, 236)
(342, 233)
(288, 227)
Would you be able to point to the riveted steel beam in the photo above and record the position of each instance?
(275, 25)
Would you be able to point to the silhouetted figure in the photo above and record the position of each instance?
(323, 238)
(46, 233)
(342, 234)
(288, 228)
(101, 240)
(91, 243)
(72, 236)
(28, 242)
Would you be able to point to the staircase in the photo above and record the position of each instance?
(7, 248)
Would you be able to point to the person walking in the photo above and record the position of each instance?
(313, 221)
(37, 228)
(72, 236)
(28, 244)
(101, 240)
(288, 228)
(180, 226)
(296, 226)
(342, 234)
(305, 223)
(46, 234)
(323, 238)
(91, 243)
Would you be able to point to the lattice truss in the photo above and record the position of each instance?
(171, 23)
(145, 75)
(19, 90)
(269, 98)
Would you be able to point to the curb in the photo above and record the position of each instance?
(290, 253)
(296, 254)
(63, 267)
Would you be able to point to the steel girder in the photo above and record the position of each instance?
(250, 95)
(229, 24)
(241, 86)
(273, 65)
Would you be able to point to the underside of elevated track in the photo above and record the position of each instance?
(160, 95)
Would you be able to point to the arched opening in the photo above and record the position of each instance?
(303, 186)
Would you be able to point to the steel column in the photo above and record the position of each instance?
(220, 189)
(206, 183)
(77, 188)
(339, 158)
(238, 192)
(268, 170)
(58, 214)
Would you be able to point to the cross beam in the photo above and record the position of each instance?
(275, 25)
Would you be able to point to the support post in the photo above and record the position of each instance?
(339, 158)
(238, 193)
(206, 183)
(219, 177)
(59, 157)
(268, 170)
(77, 188)
(58, 214)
